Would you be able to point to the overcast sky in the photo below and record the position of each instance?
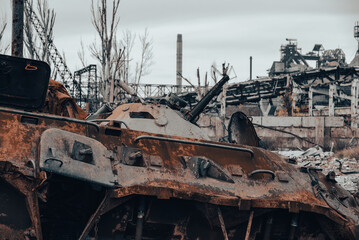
(213, 31)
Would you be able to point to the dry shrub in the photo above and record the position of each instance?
(348, 153)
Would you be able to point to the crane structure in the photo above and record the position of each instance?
(72, 85)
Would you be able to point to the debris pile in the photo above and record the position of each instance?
(346, 169)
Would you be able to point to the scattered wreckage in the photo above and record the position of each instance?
(67, 178)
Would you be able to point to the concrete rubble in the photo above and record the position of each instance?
(346, 169)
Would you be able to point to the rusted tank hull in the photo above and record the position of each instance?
(68, 179)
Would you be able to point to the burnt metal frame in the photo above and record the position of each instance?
(158, 90)
(272, 87)
(88, 90)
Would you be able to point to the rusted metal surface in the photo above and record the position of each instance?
(168, 180)
(59, 102)
(241, 130)
(156, 118)
(64, 178)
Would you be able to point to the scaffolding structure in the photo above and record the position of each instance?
(145, 90)
(88, 96)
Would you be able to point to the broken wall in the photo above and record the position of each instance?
(291, 132)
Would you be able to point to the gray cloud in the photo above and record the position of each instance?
(213, 31)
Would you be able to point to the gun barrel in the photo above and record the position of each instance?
(215, 90)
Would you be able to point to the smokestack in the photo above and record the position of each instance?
(17, 41)
(355, 61)
(250, 68)
(179, 63)
(356, 33)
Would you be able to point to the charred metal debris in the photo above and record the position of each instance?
(113, 178)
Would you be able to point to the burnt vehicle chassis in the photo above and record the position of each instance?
(63, 178)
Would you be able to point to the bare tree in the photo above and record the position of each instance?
(37, 49)
(127, 43)
(114, 53)
(142, 67)
(3, 49)
(81, 55)
(105, 21)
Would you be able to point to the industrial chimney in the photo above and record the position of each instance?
(355, 61)
(250, 67)
(356, 32)
(179, 64)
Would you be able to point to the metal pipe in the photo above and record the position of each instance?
(195, 143)
(140, 219)
(17, 41)
(201, 105)
(250, 67)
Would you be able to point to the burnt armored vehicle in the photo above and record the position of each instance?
(65, 178)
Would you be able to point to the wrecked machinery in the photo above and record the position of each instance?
(65, 178)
